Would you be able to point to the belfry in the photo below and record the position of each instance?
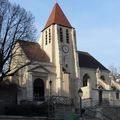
(59, 43)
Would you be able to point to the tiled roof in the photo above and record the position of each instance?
(57, 17)
(33, 51)
(88, 61)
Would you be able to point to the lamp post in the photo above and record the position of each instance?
(50, 83)
(100, 89)
(50, 103)
(0, 62)
(80, 93)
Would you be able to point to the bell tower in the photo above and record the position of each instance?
(58, 39)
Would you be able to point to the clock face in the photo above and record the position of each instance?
(65, 49)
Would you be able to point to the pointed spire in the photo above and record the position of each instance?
(57, 17)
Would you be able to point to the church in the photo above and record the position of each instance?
(58, 68)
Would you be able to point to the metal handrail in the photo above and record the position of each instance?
(60, 100)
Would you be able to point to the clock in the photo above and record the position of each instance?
(65, 48)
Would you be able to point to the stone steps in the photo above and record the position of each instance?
(96, 113)
(61, 111)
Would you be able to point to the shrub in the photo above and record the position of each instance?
(27, 110)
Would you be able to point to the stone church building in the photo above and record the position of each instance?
(58, 68)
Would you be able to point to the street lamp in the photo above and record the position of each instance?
(0, 63)
(80, 93)
(50, 83)
(50, 102)
(100, 90)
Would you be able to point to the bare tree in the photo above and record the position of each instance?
(114, 71)
(16, 24)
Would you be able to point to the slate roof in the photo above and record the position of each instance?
(33, 51)
(57, 17)
(88, 61)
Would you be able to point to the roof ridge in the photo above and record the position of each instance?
(27, 41)
(55, 11)
(87, 60)
(84, 52)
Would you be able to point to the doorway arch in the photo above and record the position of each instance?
(38, 89)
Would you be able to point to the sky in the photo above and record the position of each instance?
(97, 24)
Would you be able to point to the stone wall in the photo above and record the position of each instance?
(8, 97)
(21, 118)
(103, 113)
(112, 112)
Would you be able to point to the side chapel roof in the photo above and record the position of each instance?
(88, 61)
(33, 51)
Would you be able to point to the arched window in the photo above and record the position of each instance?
(113, 88)
(100, 87)
(102, 77)
(117, 94)
(38, 90)
(85, 80)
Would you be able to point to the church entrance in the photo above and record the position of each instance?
(38, 90)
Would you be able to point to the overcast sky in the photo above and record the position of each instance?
(97, 24)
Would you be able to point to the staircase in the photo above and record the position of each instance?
(96, 114)
(61, 111)
(59, 106)
(65, 112)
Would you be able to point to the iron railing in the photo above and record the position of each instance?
(55, 99)
(60, 100)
